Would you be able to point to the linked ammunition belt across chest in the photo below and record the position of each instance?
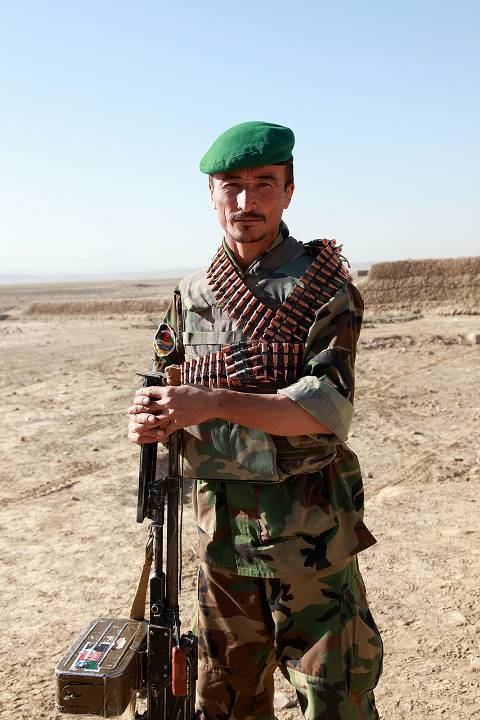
(274, 353)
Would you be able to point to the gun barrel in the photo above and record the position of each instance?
(173, 496)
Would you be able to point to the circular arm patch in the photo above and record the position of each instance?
(164, 342)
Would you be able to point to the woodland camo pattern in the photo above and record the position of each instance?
(271, 506)
(317, 629)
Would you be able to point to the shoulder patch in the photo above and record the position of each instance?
(165, 341)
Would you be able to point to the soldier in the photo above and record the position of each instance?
(259, 350)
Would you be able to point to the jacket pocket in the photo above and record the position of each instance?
(197, 341)
(207, 450)
(219, 450)
(298, 507)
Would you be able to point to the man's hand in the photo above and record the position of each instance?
(158, 411)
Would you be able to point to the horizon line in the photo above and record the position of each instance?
(20, 278)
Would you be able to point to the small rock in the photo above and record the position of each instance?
(456, 619)
(75, 498)
(472, 338)
(94, 449)
(370, 474)
(406, 704)
(417, 432)
(282, 701)
(475, 663)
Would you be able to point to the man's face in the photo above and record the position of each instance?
(249, 203)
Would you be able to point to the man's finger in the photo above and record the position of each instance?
(155, 391)
(152, 407)
(148, 425)
(143, 400)
(147, 418)
(143, 439)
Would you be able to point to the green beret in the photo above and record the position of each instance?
(249, 144)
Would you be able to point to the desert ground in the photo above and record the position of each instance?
(71, 548)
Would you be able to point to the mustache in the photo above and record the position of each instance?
(246, 216)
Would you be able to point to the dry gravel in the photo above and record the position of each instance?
(71, 548)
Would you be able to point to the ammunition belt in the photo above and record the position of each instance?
(318, 284)
(274, 354)
(246, 364)
(292, 321)
(234, 296)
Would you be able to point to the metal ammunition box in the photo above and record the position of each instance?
(101, 672)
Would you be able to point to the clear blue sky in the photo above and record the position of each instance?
(107, 107)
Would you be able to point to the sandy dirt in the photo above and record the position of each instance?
(71, 549)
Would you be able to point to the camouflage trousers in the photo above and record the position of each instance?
(316, 628)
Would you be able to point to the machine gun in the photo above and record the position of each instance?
(171, 657)
(114, 661)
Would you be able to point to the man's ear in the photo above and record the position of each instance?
(288, 193)
(211, 189)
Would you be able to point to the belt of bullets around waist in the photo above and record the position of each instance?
(244, 365)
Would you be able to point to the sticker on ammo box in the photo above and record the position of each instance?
(90, 656)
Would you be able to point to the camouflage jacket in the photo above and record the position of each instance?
(271, 506)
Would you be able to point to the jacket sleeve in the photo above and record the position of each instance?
(167, 344)
(326, 387)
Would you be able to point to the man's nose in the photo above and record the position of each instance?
(246, 200)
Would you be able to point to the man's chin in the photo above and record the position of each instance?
(247, 234)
